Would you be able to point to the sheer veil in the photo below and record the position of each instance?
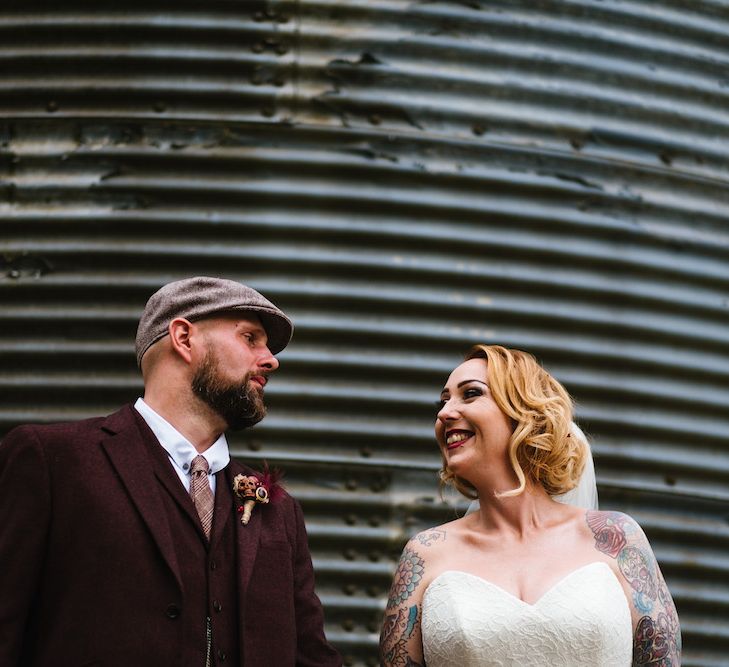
(585, 493)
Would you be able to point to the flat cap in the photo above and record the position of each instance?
(201, 297)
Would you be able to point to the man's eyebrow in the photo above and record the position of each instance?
(251, 327)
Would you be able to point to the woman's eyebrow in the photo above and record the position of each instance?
(460, 384)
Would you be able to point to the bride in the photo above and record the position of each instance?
(523, 580)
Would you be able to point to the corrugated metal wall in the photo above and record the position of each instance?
(406, 178)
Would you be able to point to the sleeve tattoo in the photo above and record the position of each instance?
(657, 636)
(402, 617)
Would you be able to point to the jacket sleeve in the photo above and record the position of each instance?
(312, 647)
(25, 511)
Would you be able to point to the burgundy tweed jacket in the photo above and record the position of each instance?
(88, 569)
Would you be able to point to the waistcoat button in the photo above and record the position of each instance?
(172, 611)
(217, 606)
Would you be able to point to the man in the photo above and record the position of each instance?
(120, 543)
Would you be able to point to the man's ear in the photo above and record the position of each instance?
(180, 331)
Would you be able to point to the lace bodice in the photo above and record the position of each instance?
(583, 619)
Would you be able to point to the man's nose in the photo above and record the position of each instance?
(268, 361)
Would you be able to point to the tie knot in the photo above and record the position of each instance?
(199, 465)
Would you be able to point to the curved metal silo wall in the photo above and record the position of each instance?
(406, 178)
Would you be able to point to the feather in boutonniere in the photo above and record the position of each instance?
(260, 488)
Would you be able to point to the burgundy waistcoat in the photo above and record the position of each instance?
(207, 569)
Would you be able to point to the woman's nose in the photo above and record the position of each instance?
(447, 412)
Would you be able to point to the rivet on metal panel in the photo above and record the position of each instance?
(366, 452)
(670, 481)
(254, 445)
(348, 661)
(349, 589)
(373, 591)
(373, 625)
(159, 107)
(257, 47)
(268, 112)
(350, 554)
(374, 521)
(478, 130)
(351, 484)
(348, 624)
(258, 17)
(350, 519)
(52, 106)
(577, 144)
(279, 81)
(666, 158)
(375, 119)
(379, 484)
(282, 49)
(372, 662)
(374, 556)
(13, 273)
(282, 18)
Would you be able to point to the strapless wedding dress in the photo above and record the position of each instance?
(583, 619)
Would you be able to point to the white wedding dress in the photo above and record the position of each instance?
(583, 619)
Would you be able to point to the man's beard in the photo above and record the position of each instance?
(238, 403)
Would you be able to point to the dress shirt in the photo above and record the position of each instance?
(180, 450)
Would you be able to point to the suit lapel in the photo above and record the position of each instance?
(124, 445)
(223, 507)
(247, 537)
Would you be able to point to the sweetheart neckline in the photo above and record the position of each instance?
(553, 587)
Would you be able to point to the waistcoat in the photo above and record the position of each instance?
(207, 569)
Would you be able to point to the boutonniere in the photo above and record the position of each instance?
(257, 488)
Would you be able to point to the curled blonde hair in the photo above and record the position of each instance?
(542, 448)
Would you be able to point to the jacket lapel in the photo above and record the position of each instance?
(247, 537)
(124, 445)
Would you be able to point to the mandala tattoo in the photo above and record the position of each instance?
(657, 637)
(641, 575)
(428, 537)
(396, 631)
(409, 573)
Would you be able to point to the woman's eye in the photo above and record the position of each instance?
(472, 393)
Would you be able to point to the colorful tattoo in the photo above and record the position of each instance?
(427, 537)
(396, 631)
(657, 638)
(409, 573)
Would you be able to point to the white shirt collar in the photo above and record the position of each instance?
(179, 448)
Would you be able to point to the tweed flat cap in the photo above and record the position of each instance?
(201, 297)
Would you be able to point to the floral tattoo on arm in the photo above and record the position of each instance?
(400, 623)
(402, 620)
(657, 637)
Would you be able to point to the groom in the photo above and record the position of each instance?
(120, 540)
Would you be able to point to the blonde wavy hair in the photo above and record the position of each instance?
(542, 448)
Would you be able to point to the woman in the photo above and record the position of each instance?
(524, 580)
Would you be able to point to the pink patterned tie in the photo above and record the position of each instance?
(201, 493)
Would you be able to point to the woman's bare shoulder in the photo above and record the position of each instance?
(433, 540)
